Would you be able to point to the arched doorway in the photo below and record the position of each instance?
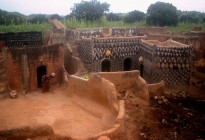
(127, 64)
(105, 65)
(40, 72)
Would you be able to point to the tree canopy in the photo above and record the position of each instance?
(162, 14)
(192, 17)
(113, 17)
(134, 16)
(7, 18)
(89, 10)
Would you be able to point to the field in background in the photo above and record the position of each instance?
(102, 23)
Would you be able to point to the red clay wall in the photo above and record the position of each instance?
(96, 89)
(14, 66)
(128, 80)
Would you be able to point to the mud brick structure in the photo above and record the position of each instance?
(25, 66)
(170, 61)
(110, 54)
(22, 39)
(24, 60)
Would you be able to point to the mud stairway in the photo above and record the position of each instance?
(3, 75)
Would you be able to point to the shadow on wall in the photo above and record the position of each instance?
(70, 62)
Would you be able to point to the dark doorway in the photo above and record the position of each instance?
(40, 72)
(105, 65)
(141, 69)
(127, 64)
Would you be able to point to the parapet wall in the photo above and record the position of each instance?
(111, 32)
(128, 80)
(103, 92)
(96, 89)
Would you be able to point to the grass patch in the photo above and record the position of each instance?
(184, 27)
(73, 23)
(25, 27)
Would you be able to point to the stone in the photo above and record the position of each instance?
(165, 100)
(184, 95)
(155, 97)
(166, 92)
(13, 94)
(159, 101)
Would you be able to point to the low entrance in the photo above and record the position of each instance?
(40, 72)
(127, 64)
(105, 65)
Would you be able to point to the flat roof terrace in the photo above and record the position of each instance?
(168, 44)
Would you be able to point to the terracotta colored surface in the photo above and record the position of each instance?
(66, 114)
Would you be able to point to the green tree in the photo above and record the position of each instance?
(191, 16)
(89, 10)
(134, 16)
(55, 16)
(112, 17)
(8, 18)
(38, 18)
(162, 14)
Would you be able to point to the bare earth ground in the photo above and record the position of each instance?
(67, 115)
(179, 118)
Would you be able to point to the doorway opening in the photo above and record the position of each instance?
(40, 72)
(105, 65)
(127, 64)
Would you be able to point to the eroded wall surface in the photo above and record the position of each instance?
(22, 65)
(128, 81)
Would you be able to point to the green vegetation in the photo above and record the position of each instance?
(25, 27)
(89, 10)
(185, 26)
(162, 14)
(93, 14)
(73, 23)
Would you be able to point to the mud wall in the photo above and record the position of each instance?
(85, 50)
(193, 39)
(172, 63)
(129, 80)
(114, 50)
(96, 88)
(22, 65)
(111, 32)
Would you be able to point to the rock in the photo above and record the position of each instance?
(159, 101)
(166, 92)
(164, 121)
(13, 94)
(174, 94)
(184, 95)
(155, 97)
(165, 100)
(162, 97)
